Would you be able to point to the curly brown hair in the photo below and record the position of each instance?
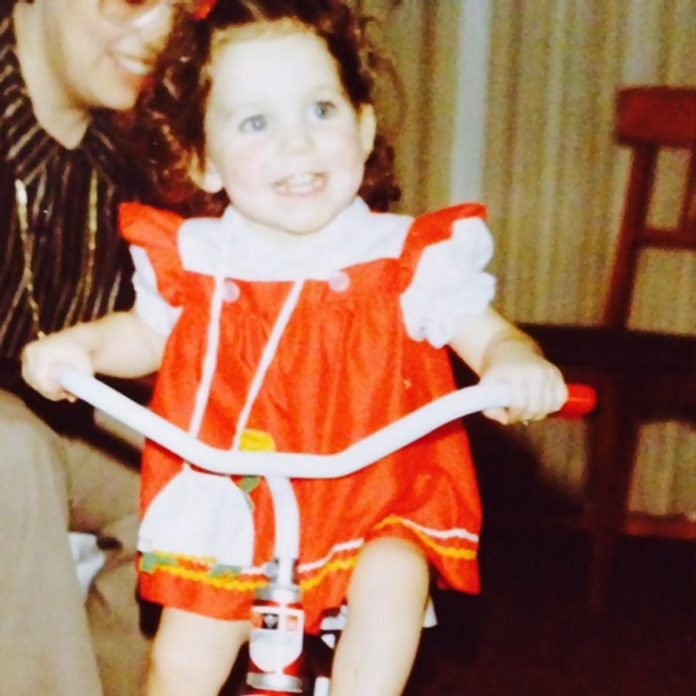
(170, 115)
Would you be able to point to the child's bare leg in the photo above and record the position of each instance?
(193, 654)
(386, 600)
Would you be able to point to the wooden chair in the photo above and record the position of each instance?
(640, 376)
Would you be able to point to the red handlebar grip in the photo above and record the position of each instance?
(582, 400)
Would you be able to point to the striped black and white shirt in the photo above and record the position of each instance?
(80, 268)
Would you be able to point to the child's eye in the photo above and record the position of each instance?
(253, 124)
(323, 109)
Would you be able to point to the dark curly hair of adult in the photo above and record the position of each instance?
(170, 115)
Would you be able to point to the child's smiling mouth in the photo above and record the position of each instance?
(304, 184)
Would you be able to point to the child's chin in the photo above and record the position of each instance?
(304, 231)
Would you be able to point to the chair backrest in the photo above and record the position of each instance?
(649, 119)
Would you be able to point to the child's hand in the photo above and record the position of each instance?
(499, 352)
(537, 387)
(43, 359)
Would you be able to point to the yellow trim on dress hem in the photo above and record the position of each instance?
(338, 565)
(220, 583)
(316, 578)
(445, 551)
(227, 583)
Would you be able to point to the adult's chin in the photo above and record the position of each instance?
(119, 88)
(119, 98)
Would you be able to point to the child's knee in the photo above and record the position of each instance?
(391, 569)
(194, 652)
(172, 673)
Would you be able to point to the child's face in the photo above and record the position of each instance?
(282, 136)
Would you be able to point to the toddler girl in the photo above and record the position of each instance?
(296, 319)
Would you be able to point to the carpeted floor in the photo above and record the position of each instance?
(529, 633)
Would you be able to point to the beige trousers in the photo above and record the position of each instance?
(50, 641)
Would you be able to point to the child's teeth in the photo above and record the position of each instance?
(300, 183)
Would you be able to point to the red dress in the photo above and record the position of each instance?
(345, 366)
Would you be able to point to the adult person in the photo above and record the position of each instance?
(63, 64)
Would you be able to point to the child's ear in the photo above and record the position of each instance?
(206, 176)
(367, 123)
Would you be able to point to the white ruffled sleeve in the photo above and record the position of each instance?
(450, 284)
(150, 306)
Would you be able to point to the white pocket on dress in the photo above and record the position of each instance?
(200, 515)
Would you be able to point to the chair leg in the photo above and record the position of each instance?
(613, 435)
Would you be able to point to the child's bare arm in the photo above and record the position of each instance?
(496, 350)
(119, 344)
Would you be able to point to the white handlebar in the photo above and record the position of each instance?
(293, 465)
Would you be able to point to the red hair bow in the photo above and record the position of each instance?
(205, 7)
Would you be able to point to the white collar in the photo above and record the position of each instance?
(230, 247)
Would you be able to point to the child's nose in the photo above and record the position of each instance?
(296, 137)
